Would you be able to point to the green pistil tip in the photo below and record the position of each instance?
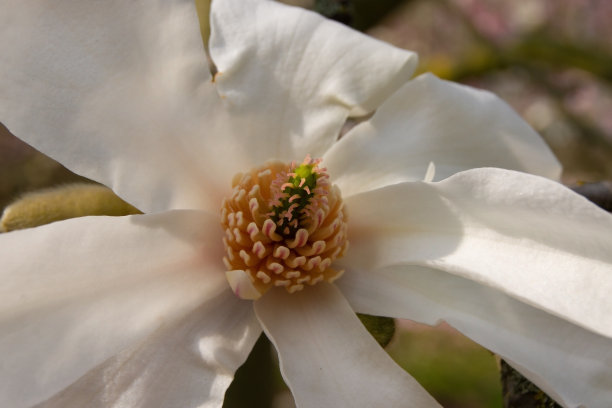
(304, 171)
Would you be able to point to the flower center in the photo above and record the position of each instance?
(284, 226)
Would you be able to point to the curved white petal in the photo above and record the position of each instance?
(290, 78)
(571, 364)
(189, 363)
(430, 120)
(76, 292)
(116, 91)
(327, 357)
(525, 235)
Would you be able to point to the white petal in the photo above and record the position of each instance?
(429, 120)
(571, 364)
(242, 285)
(327, 357)
(290, 78)
(116, 91)
(525, 235)
(189, 363)
(76, 292)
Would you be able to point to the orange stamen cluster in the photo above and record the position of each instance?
(282, 229)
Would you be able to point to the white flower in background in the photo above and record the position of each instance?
(136, 311)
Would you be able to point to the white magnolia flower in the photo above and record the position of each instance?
(136, 311)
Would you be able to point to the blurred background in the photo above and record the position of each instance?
(550, 59)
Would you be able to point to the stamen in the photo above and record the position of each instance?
(286, 231)
(281, 252)
(264, 277)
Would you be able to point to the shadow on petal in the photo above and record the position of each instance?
(186, 363)
(401, 219)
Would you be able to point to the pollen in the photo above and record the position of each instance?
(284, 224)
